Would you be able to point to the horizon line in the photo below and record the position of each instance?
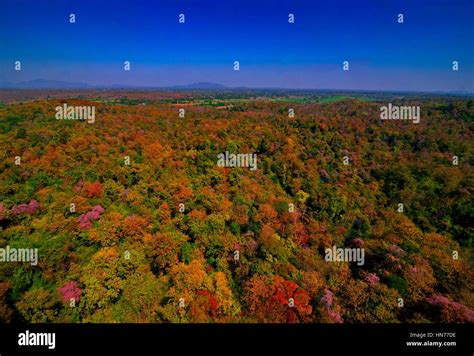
(201, 86)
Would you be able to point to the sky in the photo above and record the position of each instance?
(383, 54)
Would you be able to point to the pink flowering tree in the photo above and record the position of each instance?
(448, 311)
(70, 291)
(327, 300)
(85, 220)
(30, 208)
(372, 279)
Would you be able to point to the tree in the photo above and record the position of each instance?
(109, 230)
(6, 312)
(69, 292)
(272, 299)
(196, 296)
(93, 190)
(103, 278)
(164, 248)
(38, 305)
(446, 311)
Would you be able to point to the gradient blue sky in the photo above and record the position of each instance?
(383, 54)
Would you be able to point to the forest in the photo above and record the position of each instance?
(135, 221)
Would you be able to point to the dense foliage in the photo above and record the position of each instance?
(129, 252)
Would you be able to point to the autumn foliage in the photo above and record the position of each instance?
(171, 236)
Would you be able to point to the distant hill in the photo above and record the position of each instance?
(201, 85)
(56, 84)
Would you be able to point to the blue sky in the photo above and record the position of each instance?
(383, 55)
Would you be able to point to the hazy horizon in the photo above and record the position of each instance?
(42, 84)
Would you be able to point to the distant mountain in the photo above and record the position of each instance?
(44, 84)
(201, 85)
(56, 84)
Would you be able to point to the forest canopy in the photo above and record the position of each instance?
(134, 220)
